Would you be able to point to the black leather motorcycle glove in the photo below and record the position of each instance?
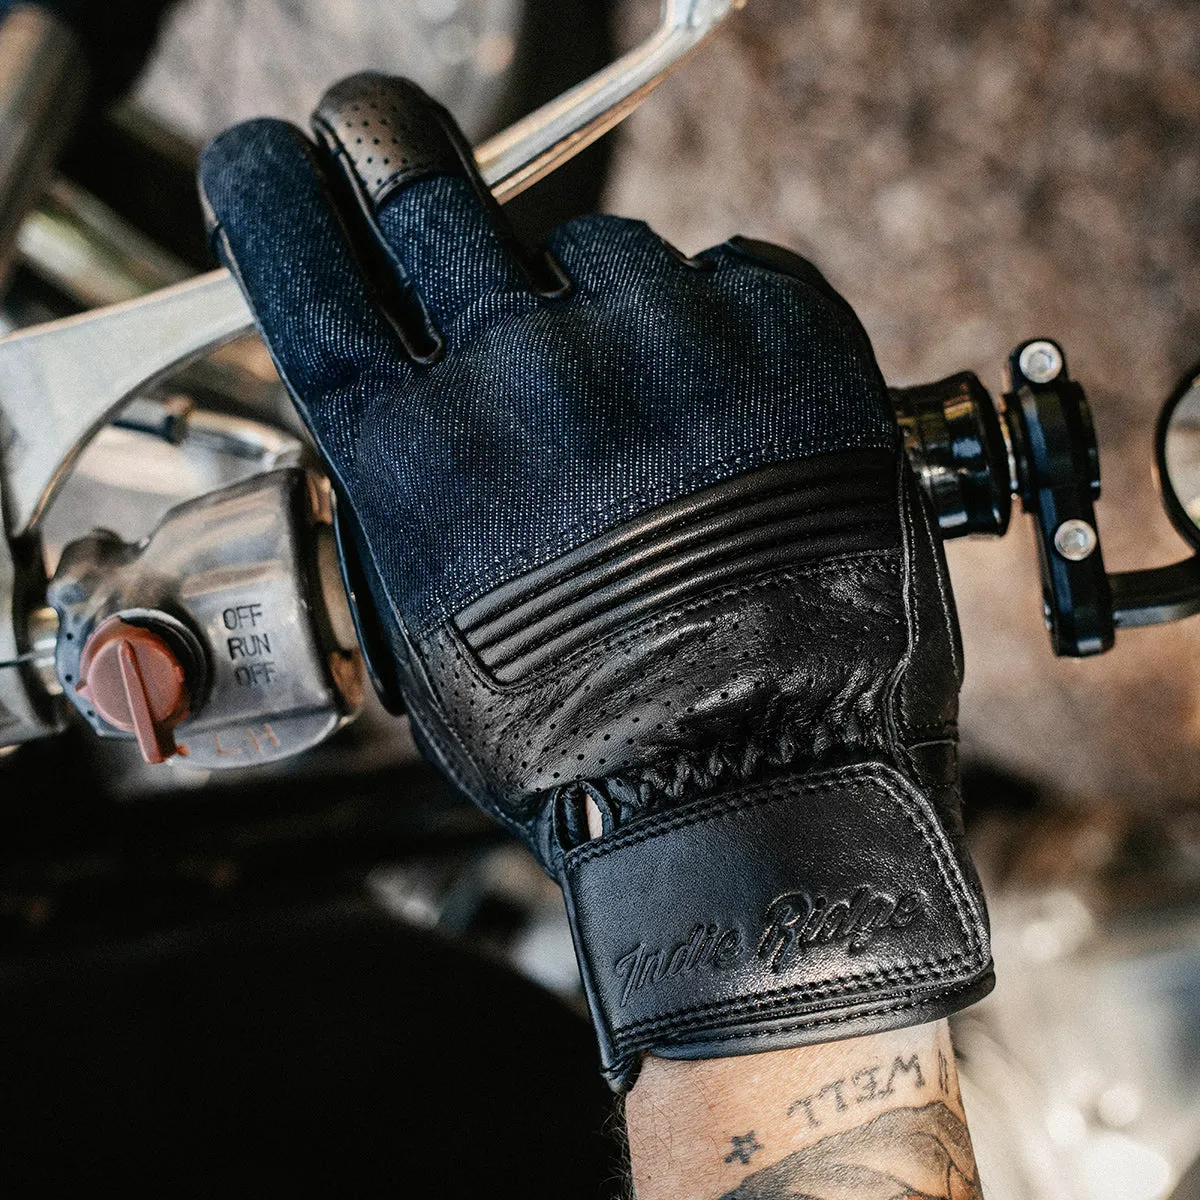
(658, 586)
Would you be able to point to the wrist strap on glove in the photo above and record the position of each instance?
(797, 911)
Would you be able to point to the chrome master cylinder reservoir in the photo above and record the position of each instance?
(224, 639)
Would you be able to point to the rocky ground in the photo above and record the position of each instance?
(971, 173)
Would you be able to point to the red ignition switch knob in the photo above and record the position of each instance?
(133, 679)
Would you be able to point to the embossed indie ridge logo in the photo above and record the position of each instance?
(791, 923)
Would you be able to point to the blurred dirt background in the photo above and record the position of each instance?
(971, 173)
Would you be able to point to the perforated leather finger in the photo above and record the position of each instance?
(414, 177)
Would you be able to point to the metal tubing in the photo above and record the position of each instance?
(1157, 595)
(43, 80)
(529, 150)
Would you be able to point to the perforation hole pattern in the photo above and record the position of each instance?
(383, 127)
(721, 689)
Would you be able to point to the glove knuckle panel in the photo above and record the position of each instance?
(508, 468)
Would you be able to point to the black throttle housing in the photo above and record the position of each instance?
(971, 458)
(956, 445)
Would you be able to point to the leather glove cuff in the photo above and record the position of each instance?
(796, 911)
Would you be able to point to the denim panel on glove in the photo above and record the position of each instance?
(660, 589)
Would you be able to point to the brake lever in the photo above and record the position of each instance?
(62, 381)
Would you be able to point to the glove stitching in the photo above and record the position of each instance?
(678, 525)
(768, 794)
(383, 191)
(564, 541)
(623, 1038)
(743, 762)
(840, 987)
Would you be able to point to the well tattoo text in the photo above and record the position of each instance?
(910, 1145)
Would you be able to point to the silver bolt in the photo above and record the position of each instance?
(1075, 540)
(1041, 362)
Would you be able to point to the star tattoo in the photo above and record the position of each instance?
(743, 1148)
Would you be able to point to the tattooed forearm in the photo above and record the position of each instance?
(876, 1118)
(906, 1154)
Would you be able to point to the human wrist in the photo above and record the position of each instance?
(882, 1106)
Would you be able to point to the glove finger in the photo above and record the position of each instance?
(273, 223)
(414, 177)
(788, 262)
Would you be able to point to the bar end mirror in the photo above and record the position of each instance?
(1177, 451)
